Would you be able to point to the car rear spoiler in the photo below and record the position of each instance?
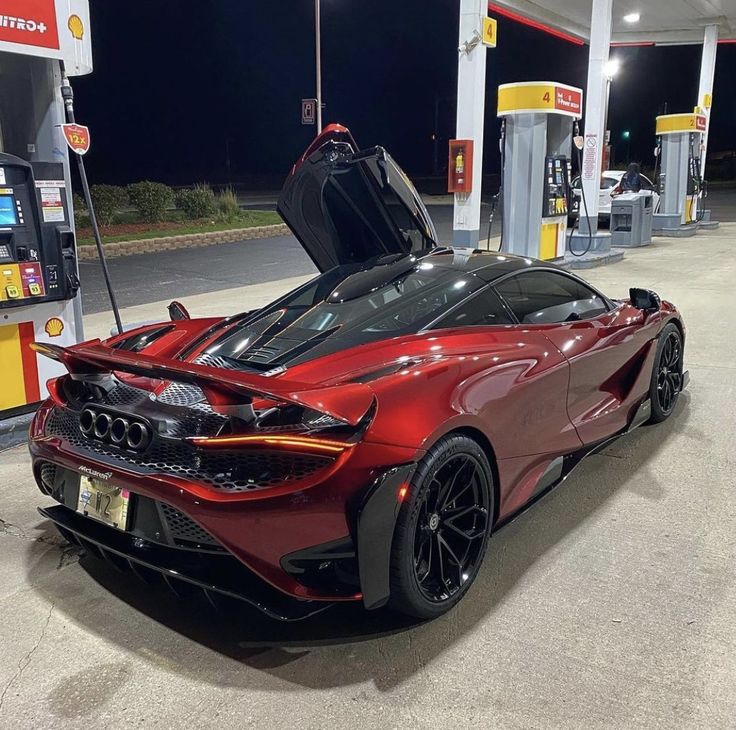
(223, 389)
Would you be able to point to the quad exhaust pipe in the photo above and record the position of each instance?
(127, 434)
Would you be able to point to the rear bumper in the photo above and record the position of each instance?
(322, 544)
(213, 574)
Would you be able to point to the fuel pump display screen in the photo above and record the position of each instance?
(8, 214)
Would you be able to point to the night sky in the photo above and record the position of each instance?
(179, 84)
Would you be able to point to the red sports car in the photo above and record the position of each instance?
(360, 438)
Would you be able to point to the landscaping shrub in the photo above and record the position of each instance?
(107, 200)
(197, 202)
(151, 199)
(81, 219)
(227, 206)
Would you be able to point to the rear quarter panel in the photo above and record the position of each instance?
(508, 383)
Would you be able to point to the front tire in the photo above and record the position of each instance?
(443, 528)
(666, 384)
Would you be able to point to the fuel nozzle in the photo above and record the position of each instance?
(67, 93)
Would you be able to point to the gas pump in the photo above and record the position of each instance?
(537, 165)
(39, 284)
(681, 188)
(38, 274)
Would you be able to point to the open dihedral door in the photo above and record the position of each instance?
(347, 206)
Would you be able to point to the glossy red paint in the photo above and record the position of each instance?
(530, 393)
(332, 132)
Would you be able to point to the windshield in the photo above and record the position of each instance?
(310, 319)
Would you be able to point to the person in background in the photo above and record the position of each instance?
(631, 181)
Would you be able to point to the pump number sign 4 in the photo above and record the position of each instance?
(77, 137)
(490, 32)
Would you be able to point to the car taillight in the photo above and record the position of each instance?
(285, 442)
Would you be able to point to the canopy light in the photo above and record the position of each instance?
(611, 67)
(632, 18)
(626, 134)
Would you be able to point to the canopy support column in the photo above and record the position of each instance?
(705, 88)
(471, 100)
(595, 112)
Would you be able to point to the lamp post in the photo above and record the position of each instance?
(318, 50)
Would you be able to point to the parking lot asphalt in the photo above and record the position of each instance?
(610, 604)
(186, 272)
(189, 271)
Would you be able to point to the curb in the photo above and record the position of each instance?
(14, 431)
(193, 240)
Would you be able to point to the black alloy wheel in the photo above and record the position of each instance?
(443, 528)
(667, 375)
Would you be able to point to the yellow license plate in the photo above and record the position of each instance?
(104, 502)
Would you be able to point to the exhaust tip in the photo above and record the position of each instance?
(87, 421)
(103, 423)
(119, 431)
(139, 436)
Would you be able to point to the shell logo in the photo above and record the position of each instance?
(76, 27)
(54, 327)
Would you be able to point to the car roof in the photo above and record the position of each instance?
(487, 265)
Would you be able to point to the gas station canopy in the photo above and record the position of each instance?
(51, 29)
(661, 22)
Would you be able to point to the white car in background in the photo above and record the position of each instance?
(610, 180)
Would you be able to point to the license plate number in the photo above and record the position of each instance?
(104, 502)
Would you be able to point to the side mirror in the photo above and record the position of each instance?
(178, 311)
(645, 299)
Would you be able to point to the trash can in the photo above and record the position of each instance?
(631, 221)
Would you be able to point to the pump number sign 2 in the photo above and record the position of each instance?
(77, 137)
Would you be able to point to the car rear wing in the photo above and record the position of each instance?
(223, 389)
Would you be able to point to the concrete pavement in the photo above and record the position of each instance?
(610, 604)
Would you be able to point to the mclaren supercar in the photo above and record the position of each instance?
(360, 438)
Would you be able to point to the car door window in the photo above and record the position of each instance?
(646, 183)
(544, 297)
(484, 308)
(608, 182)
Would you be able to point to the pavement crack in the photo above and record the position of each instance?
(26, 658)
(8, 528)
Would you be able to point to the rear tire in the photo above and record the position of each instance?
(443, 528)
(666, 384)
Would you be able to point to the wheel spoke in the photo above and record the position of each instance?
(451, 483)
(425, 544)
(475, 532)
(674, 359)
(440, 562)
(453, 557)
(463, 488)
(667, 351)
(435, 487)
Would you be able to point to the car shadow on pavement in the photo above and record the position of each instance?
(344, 645)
